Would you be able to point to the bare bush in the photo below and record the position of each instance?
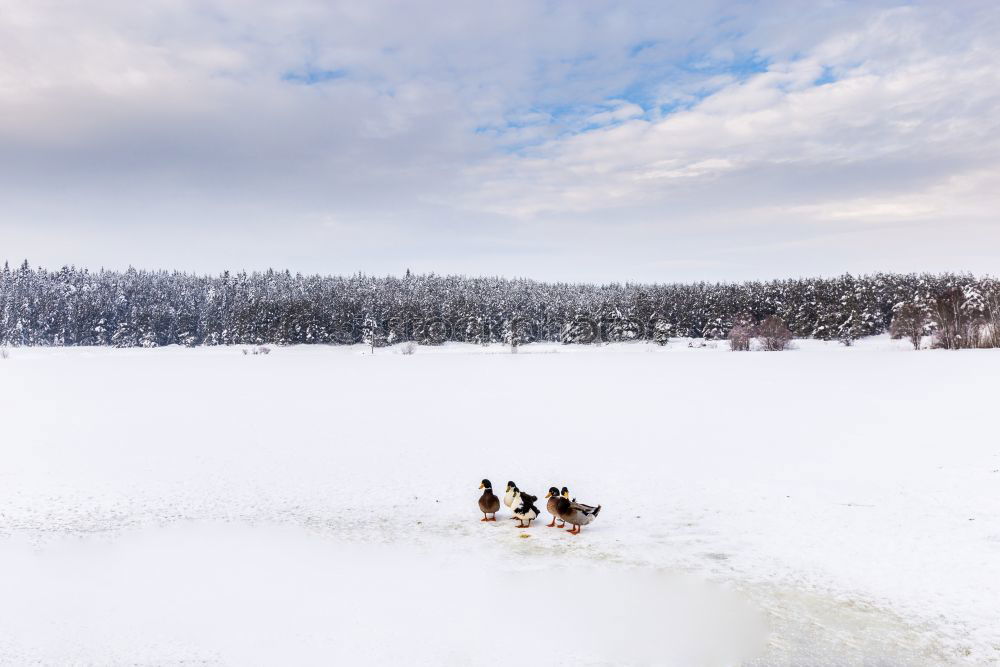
(741, 333)
(990, 333)
(4, 353)
(773, 335)
(408, 348)
(257, 350)
(960, 319)
(739, 338)
(909, 322)
(949, 319)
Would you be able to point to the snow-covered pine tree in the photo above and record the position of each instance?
(661, 330)
(372, 333)
(129, 308)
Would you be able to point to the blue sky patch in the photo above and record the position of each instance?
(826, 77)
(310, 76)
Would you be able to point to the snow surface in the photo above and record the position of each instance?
(825, 505)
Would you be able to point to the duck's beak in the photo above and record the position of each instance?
(565, 494)
(480, 486)
(549, 494)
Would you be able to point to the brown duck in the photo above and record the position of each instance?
(488, 502)
(573, 512)
(550, 507)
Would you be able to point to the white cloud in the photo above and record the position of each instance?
(503, 139)
(621, 110)
(938, 107)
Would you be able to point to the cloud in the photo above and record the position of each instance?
(513, 139)
(935, 107)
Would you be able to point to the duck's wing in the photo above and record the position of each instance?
(580, 507)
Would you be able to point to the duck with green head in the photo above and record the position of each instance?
(488, 502)
(550, 507)
(574, 513)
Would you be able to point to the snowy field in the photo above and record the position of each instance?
(317, 505)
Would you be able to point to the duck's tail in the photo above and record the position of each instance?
(597, 511)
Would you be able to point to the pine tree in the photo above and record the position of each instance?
(661, 330)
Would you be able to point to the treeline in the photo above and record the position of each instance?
(133, 308)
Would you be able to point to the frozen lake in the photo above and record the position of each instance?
(825, 505)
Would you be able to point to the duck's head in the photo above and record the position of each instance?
(515, 491)
(553, 491)
(565, 492)
(486, 485)
(511, 485)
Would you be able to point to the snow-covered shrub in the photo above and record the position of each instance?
(772, 334)
(850, 329)
(408, 348)
(661, 329)
(4, 353)
(909, 322)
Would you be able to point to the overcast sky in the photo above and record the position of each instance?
(572, 140)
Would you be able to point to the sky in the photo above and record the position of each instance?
(572, 141)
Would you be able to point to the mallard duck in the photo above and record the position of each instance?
(575, 513)
(524, 508)
(508, 496)
(550, 506)
(488, 502)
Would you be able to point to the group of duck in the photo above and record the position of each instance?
(522, 506)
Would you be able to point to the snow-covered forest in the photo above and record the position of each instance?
(134, 308)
